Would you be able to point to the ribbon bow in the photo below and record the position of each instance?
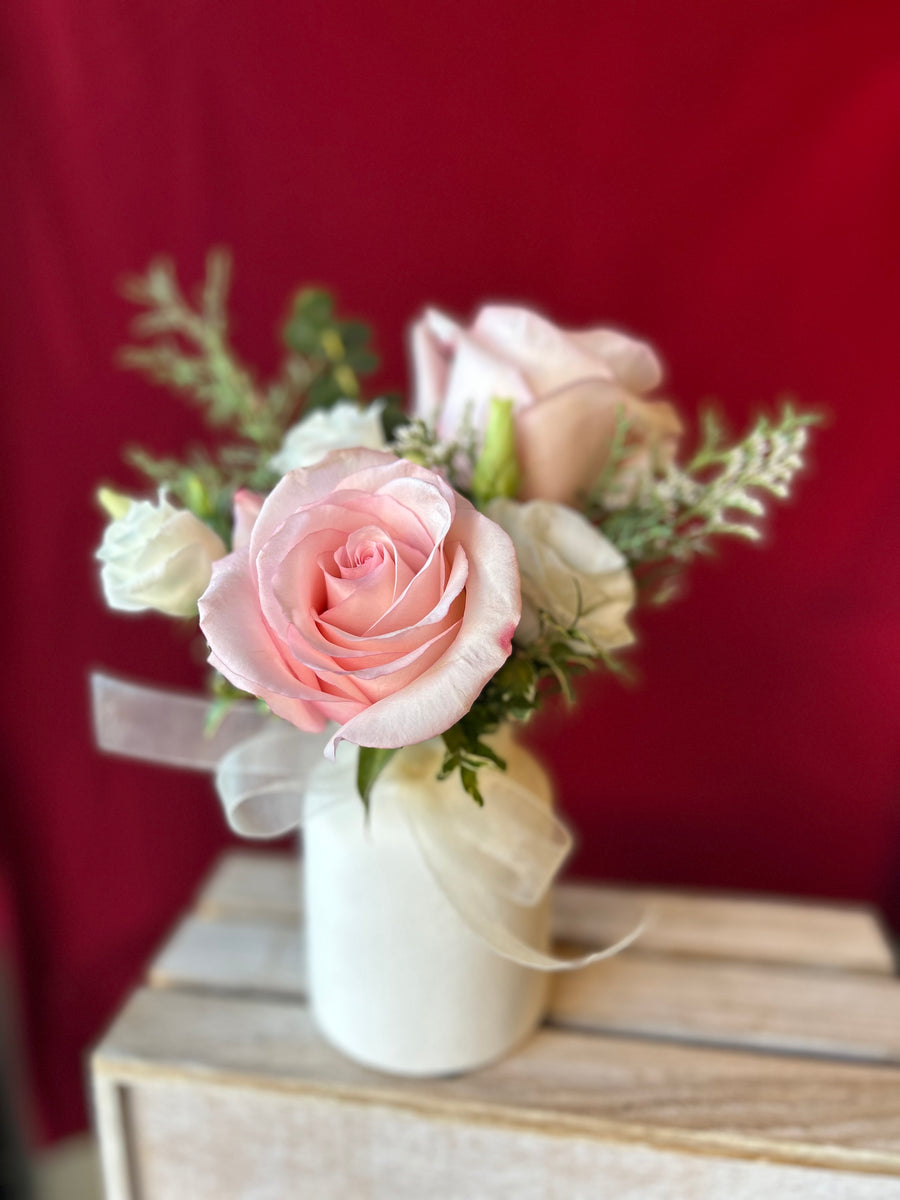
(485, 859)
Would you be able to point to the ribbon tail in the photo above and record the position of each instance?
(485, 909)
(261, 764)
(165, 727)
(491, 863)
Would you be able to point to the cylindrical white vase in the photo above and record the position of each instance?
(396, 979)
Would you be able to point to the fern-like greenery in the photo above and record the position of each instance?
(718, 493)
(185, 346)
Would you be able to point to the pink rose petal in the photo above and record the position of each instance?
(568, 388)
(369, 593)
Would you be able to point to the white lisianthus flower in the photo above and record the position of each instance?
(343, 426)
(155, 556)
(569, 571)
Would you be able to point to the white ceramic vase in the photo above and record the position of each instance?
(396, 979)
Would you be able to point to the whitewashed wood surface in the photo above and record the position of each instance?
(248, 884)
(701, 1063)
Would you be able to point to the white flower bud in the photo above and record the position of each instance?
(157, 556)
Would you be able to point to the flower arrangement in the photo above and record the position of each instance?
(398, 576)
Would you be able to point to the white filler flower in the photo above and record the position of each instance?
(569, 571)
(344, 426)
(155, 556)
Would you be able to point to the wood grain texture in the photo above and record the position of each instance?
(743, 1048)
(771, 1008)
(732, 928)
(834, 1013)
(816, 1113)
(341, 1150)
(251, 956)
(254, 885)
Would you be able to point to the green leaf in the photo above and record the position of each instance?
(372, 761)
(324, 392)
(470, 784)
(354, 334)
(311, 313)
(480, 749)
(316, 305)
(392, 416)
(301, 336)
(364, 362)
(515, 684)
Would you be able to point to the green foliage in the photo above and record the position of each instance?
(337, 352)
(514, 693)
(606, 486)
(467, 753)
(417, 441)
(372, 761)
(186, 348)
(562, 653)
(719, 493)
(393, 416)
(198, 482)
(510, 695)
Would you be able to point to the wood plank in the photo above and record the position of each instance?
(822, 1114)
(254, 885)
(214, 1083)
(263, 886)
(771, 1008)
(734, 928)
(715, 1003)
(334, 1149)
(252, 956)
(111, 1133)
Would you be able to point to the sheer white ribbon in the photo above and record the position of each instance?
(483, 858)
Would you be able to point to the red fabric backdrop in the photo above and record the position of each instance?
(723, 179)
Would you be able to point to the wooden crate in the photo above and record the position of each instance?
(744, 1048)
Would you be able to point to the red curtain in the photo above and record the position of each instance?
(722, 179)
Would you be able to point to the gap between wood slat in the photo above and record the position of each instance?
(842, 1116)
(266, 887)
(795, 1010)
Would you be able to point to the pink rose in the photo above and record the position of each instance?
(567, 388)
(245, 508)
(370, 594)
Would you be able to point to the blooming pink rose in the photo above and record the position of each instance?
(568, 389)
(370, 594)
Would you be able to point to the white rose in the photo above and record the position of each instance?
(344, 426)
(156, 556)
(568, 570)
